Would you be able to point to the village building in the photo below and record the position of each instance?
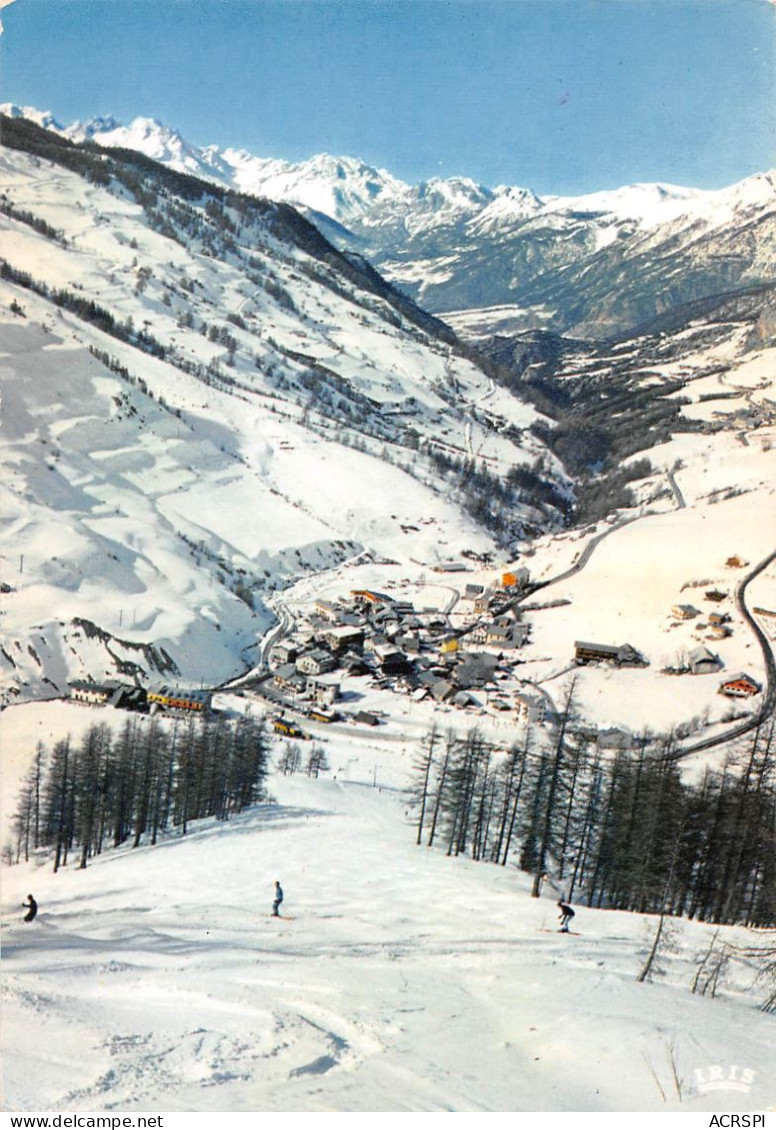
(327, 609)
(506, 636)
(392, 662)
(409, 642)
(483, 601)
(685, 611)
(374, 642)
(442, 690)
(370, 596)
(284, 652)
(739, 685)
(471, 592)
(173, 698)
(316, 662)
(530, 707)
(515, 578)
(701, 661)
(476, 669)
(462, 699)
(324, 689)
(289, 680)
(342, 638)
(354, 664)
(623, 655)
(715, 595)
(95, 694)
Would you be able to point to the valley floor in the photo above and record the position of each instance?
(400, 980)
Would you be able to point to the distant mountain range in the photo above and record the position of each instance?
(595, 265)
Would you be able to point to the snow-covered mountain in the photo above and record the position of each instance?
(245, 407)
(203, 400)
(455, 245)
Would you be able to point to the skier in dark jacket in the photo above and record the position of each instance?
(278, 899)
(32, 909)
(566, 914)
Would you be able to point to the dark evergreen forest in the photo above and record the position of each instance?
(624, 830)
(149, 778)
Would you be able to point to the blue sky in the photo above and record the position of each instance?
(557, 95)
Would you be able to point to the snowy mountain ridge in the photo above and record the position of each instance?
(456, 245)
(364, 190)
(232, 355)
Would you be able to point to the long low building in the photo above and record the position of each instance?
(622, 655)
(175, 698)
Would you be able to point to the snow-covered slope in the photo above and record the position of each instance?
(202, 400)
(401, 980)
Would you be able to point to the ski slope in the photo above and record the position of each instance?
(403, 980)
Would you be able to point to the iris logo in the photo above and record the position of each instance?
(717, 1078)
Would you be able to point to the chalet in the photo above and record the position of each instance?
(471, 592)
(342, 638)
(530, 707)
(516, 578)
(370, 596)
(482, 602)
(325, 689)
(703, 662)
(316, 662)
(717, 619)
(437, 625)
(96, 694)
(463, 699)
(375, 642)
(288, 679)
(354, 663)
(476, 670)
(409, 641)
(685, 611)
(623, 655)
(442, 690)
(740, 685)
(715, 595)
(506, 635)
(735, 562)
(449, 644)
(392, 662)
(720, 632)
(284, 652)
(327, 609)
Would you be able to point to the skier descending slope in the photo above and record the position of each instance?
(566, 914)
(31, 907)
(278, 899)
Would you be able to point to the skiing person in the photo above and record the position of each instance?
(278, 899)
(566, 914)
(32, 909)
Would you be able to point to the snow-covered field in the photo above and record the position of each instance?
(401, 979)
